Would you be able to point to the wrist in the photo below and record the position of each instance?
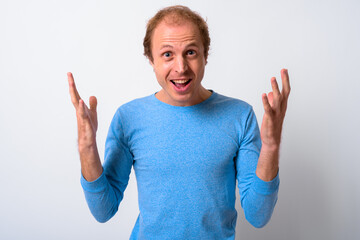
(270, 148)
(86, 147)
(88, 154)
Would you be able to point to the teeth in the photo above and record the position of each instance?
(181, 81)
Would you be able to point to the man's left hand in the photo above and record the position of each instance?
(275, 104)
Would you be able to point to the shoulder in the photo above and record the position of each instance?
(135, 106)
(231, 104)
(137, 111)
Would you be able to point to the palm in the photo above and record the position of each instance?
(92, 114)
(86, 117)
(275, 104)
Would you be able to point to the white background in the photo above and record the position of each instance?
(101, 43)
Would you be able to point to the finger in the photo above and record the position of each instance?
(275, 87)
(285, 83)
(75, 97)
(270, 97)
(84, 121)
(276, 96)
(93, 103)
(82, 109)
(266, 104)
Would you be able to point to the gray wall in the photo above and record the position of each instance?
(101, 43)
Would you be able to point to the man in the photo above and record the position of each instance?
(187, 144)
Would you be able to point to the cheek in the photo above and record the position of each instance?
(198, 68)
(163, 70)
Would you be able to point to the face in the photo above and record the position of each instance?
(179, 63)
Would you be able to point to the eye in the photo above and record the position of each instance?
(167, 54)
(191, 52)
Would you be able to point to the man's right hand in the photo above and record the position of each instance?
(87, 126)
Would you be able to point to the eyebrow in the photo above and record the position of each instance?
(166, 46)
(193, 44)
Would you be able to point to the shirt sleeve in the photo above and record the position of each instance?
(104, 195)
(258, 198)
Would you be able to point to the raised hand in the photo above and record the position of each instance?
(87, 126)
(86, 118)
(275, 104)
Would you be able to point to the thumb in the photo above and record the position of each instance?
(93, 103)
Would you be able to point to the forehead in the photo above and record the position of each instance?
(176, 33)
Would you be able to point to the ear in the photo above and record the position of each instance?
(151, 62)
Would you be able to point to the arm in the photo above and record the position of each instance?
(257, 173)
(103, 187)
(258, 198)
(105, 193)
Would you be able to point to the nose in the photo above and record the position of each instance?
(181, 65)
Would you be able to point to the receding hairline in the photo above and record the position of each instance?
(179, 23)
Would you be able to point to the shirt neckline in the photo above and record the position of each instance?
(183, 108)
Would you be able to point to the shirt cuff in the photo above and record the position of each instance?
(266, 188)
(95, 186)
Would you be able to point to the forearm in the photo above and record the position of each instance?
(91, 167)
(268, 163)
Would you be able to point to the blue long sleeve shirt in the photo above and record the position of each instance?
(186, 162)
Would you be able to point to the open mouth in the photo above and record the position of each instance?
(181, 83)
